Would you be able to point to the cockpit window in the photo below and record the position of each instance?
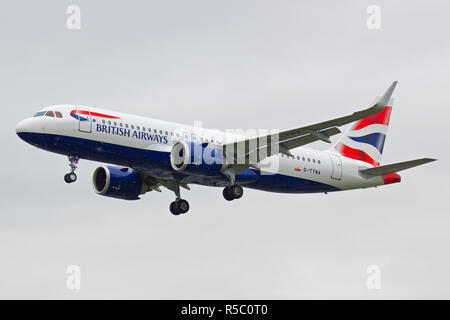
(58, 114)
(50, 114)
(39, 114)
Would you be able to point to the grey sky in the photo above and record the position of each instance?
(231, 64)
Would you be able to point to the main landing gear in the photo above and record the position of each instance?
(179, 206)
(71, 176)
(232, 192)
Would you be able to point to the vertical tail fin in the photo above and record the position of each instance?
(364, 141)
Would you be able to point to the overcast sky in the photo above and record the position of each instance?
(230, 64)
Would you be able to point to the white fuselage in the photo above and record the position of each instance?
(144, 144)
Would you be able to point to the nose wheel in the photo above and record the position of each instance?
(71, 176)
(233, 192)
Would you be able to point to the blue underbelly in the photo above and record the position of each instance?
(157, 164)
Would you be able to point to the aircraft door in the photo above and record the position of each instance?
(336, 172)
(84, 120)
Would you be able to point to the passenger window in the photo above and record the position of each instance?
(58, 114)
(132, 126)
(103, 121)
(318, 161)
(120, 124)
(303, 158)
(178, 135)
(109, 122)
(309, 160)
(143, 128)
(298, 157)
(167, 133)
(160, 131)
(126, 125)
(314, 160)
(115, 124)
(171, 133)
(155, 131)
(137, 127)
(50, 114)
(149, 130)
(39, 114)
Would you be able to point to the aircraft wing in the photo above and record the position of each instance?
(256, 149)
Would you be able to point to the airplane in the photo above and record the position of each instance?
(144, 154)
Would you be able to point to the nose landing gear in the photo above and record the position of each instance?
(71, 176)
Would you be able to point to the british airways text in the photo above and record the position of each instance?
(123, 132)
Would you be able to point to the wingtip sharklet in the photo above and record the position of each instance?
(380, 104)
(384, 100)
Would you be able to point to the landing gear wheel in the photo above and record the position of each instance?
(232, 192)
(70, 177)
(66, 178)
(227, 195)
(180, 206)
(173, 208)
(235, 191)
(183, 206)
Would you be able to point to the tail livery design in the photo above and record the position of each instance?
(364, 141)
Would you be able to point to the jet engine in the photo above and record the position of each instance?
(197, 158)
(120, 183)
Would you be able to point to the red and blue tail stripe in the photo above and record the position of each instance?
(364, 141)
(381, 117)
(356, 154)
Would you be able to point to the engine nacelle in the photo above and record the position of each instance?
(115, 182)
(197, 158)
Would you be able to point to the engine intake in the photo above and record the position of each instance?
(115, 182)
(197, 159)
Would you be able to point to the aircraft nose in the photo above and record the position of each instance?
(21, 126)
(24, 129)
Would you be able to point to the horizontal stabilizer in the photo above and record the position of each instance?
(395, 167)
